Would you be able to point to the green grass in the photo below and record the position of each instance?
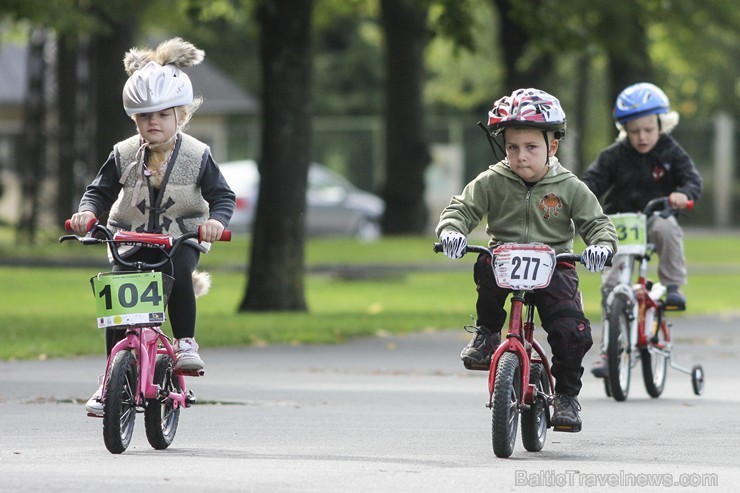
(49, 312)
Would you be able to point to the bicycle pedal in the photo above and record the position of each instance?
(675, 308)
(92, 415)
(476, 366)
(567, 428)
(190, 373)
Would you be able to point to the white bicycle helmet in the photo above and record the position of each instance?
(528, 108)
(156, 81)
(155, 88)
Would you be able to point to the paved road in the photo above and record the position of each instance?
(374, 415)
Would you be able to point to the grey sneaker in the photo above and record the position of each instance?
(565, 416)
(186, 354)
(94, 405)
(477, 354)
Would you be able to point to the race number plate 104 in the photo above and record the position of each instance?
(631, 232)
(523, 266)
(135, 298)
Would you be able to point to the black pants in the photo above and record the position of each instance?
(181, 306)
(560, 311)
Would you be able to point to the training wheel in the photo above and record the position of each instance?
(697, 379)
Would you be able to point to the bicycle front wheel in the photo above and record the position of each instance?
(534, 419)
(655, 362)
(119, 404)
(161, 416)
(618, 351)
(507, 395)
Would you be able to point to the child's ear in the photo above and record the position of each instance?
(554, 143)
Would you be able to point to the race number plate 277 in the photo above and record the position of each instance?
(134, 298)
(523, 266)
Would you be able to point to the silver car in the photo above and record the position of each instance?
(334, 206)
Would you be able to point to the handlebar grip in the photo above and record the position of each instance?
(90, 224)
(225, 235)
(438, 248)
(689, 205)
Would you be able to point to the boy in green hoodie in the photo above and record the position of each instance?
(529, 197)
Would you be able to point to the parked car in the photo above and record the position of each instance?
(334, 206)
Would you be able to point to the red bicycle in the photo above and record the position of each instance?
(520, 381)
(635, 322)
(140, 375)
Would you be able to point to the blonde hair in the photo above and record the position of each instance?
(668, 121)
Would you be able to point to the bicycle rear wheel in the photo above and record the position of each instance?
(534, 419)
(507, 395)
(161, 417)
(120, 402)
(655, 361)
(618, 351)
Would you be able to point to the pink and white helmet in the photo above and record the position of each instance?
(528, 108)
(156, 87)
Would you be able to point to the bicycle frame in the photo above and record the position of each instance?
(520, 341)
(144, 342)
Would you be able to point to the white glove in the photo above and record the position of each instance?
(453, 244)
(594, 257)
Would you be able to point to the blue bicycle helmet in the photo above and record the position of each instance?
(640, 100)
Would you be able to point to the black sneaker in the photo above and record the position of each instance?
(600, 368)
(565, 416)
(477, 354)
(674, 298)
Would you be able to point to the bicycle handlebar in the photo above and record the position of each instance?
(567, 257)
(663, 207)
(165, 242)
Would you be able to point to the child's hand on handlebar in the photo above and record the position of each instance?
(453, 244)
(678, 200)
(211, 230)
(80, 222)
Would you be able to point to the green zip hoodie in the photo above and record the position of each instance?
(549, 212)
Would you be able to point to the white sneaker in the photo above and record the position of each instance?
(186, 354)
(94, 405)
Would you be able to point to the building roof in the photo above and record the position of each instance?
(220, 94)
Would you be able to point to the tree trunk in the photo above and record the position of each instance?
(629, 61)
(276, 268)
(514, 40)
(108, 77)
(34, 138)
(67, 55)
(407, 154)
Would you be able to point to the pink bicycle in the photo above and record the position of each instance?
(140, 374)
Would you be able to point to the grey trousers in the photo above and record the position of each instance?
(667, 236)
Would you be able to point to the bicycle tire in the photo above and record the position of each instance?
(507, 395)
(655, 363)
(161, 417)
(534, 419)
(619, 350)
(120, 402)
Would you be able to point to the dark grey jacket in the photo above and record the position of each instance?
(625, 180)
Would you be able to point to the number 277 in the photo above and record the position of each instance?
(524, 263)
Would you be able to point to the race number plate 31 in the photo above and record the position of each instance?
(523, 266)
(631, 232)
(135, 298)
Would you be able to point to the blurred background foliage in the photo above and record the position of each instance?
(583, 51)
